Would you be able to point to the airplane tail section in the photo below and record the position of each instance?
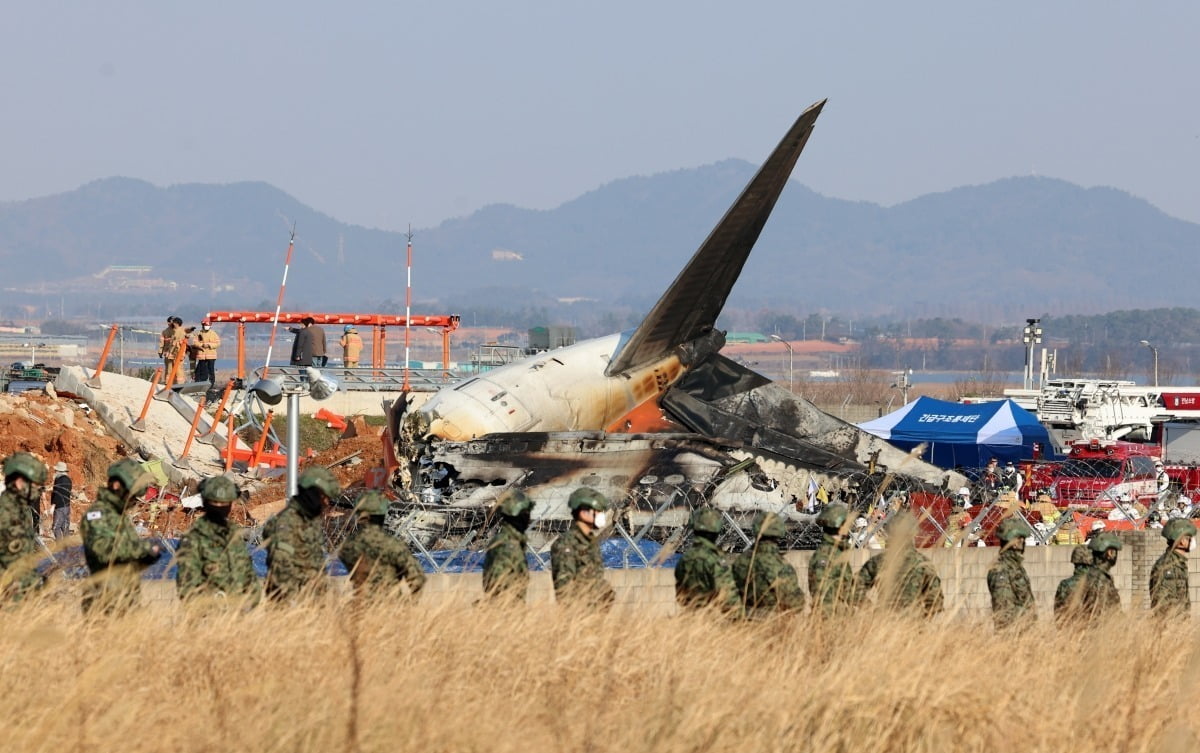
(690, 307)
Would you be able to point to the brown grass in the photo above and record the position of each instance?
(444, 678)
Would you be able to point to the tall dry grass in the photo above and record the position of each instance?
(402, 677)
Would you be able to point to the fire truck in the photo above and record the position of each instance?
(1097, 472)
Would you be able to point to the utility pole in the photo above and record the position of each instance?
(1031, 335)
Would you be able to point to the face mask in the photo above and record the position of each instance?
(217, 513)
(600, 520)
(205, 327)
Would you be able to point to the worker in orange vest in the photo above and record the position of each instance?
(172, 339)
(352, 346)
(206, 343)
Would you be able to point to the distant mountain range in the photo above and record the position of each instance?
(1038, 245)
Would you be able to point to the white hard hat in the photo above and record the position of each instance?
(860, 522)
(1098, 525)
(964, 492)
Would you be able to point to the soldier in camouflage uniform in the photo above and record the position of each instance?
(212, 558)
(1008, 583)
(831, 581)
(767, 584)
(575, 560)
(1081, 558)
(907, 579)
(24, 477)
(378, 562)
(1169, 577)
(505, 570)
(702, 577)
(114, 553)
(294, 539)
(1094, 595)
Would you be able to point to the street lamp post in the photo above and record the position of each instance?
(791, 361)
(1153, 350)
(1031, 335)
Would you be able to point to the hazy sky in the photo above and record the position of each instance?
(388, 113)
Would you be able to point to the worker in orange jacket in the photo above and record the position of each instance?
(352, 346)
(205, 343)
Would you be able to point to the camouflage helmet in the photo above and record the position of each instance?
(706, 520)
(833, 516)
(1012, 528)
(514, 503)
(320, 479)
(218, 489)
(1178, 528)
(26, 466)
(768, 525)
(132, 476)
(1081, 555)
(586, 498)
(372, 503)
(1102, 542)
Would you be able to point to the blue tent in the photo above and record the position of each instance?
(963, 435)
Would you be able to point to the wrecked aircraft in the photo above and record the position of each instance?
(655, 417)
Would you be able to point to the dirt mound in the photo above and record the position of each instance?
(350, 468)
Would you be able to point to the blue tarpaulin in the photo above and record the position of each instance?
(963, 435)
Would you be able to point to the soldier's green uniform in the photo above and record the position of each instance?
(294, 539)
(1064, 606)
(702, 577)
(831, 581)
(115, 554)
(1169, 576)
(212, 559)
(1095, 596)
(766, 583)
(575, 561)
(1008, 583)
(505, 569)
(18, 527)
(378, 561)
(907, 579)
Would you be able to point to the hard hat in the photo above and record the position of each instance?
(514, 503)
(706, 520)
(1012, 528)
(372, 503)
(206, 323)
(860, 522)
(768, 525)
(1103, 542)
(833, 516)
(964, 491)
(320, 479)
(132, 476)
(1098, 525)
(218, 489)
(60, 467)
(1178, 528)
(586, 498)
(26, 466)
(348, 328)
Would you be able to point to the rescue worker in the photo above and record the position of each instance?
(1095, 596)
(171, 341)
(352, 346)
(1064, 595)
(575, 561)
(114, 553)
(767, 584)
(376, 560)
(294, 539)
(702, 577)
(908, 581)
(505, 569)
(831, 581)
(1169, 576)
(958, 522)
(1008, 583)
(212, 558)
(60, 501)
(24, 477)
(206, 342)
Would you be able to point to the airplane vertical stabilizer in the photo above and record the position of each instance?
(690, 307)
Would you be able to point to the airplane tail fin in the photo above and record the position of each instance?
(690, 307)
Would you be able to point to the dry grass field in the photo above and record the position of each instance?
(399, 677)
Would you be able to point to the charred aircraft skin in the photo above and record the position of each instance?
(622, 412)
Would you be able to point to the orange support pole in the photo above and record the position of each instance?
(164, 393)
(181, 461)
(445, 354)
(262, 440)
(94, 382)
(241, 351)
(211, 434)
(230, 446)
(140, 423)
(382, 346)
